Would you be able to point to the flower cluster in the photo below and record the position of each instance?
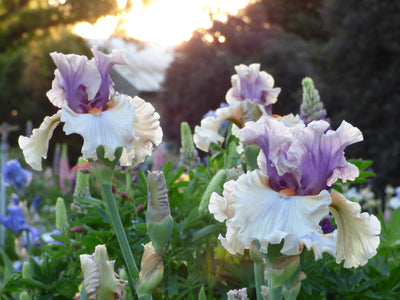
(288, 196)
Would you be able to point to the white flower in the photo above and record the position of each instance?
(256, 212)
(90, 107)
(99, 276)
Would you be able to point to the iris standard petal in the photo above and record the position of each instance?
(111, 128)
(147, 133)
(306, 159)
(77, 81)
(36, 146)
(104, 63)
(357, 233)
(251, 84)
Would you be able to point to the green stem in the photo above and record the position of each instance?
(274, 293)
(259, 278)
(145, 297)
(106, 192)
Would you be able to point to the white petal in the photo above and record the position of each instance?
(321, 243)
(110, 129)
(263, 214)
(207, 133)
(357, 234)
(36, 146)
(91, 274)
(147, 132)
(222, 207)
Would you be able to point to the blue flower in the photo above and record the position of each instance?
(16, 222)
(15, 176)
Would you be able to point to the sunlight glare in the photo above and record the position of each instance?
(102, 29)
(164, 22)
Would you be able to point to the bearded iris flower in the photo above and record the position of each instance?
(286, 199)
(252, 95)
(16, 222)
(15, 176)
(90, 107)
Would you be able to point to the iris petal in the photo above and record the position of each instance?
(264, 215)
(357, 233)
(147, 133)
(111, 128)
(207, 133)
(36, 146)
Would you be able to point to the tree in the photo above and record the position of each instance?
(359, 68)
(199, 78)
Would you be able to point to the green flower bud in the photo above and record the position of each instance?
(82, 187)
(26, 270)
(215, 185)
(24, 296)
(188, 154)
(152, 270)
(61, 216)
(311, 108)
(123, 275)
(158, 217)
(99, 277)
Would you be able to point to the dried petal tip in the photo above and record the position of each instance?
(151, 271)
(99, 277)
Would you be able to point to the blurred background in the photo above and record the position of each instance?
(182, 54)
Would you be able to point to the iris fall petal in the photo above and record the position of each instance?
(35, 147)
(357, 233)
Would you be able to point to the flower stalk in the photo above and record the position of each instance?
(103, 169)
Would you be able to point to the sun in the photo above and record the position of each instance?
(164, 22)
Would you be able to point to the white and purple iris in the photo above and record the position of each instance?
(89, 106)
(252, 95)
(286, 199)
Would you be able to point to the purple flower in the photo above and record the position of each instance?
(311, 109)
(304, 159)
(16, 222)
(15, 176)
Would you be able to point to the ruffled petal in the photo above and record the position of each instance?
(269, 217)
(36, 146)
(306, 159)
(104, 63)
(207, 133)
(251, 84)
(77, 81)
(111, 128)
(357, 233)
(222, 207)
(321, 243)
(147, 133)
